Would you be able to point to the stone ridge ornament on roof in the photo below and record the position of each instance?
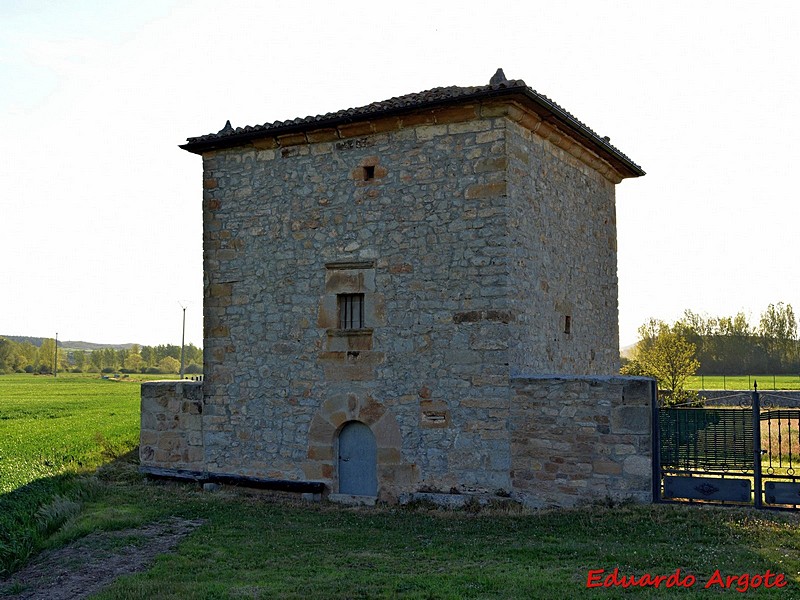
(499, 86)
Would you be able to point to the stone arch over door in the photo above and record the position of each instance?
(394, 476)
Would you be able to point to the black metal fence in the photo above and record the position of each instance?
(747, 454)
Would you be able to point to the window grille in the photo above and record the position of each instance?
(351, 311)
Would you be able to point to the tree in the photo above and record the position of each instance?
(96, 359)
(79, 359)
(134, 362)
(7, 355)
(193, 369)
(664, 354)
(194, 354)
(169, 365)
(147, 356)
(734, 345)
(47, 355)
(725, 345)
(700, 330)
(778, 332)
(28, 353)
(121, 358)
(109, 357)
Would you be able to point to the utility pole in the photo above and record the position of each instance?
(55, 358)
(183, 336)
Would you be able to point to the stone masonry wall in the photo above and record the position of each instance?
(578, 440)
(171, 434)
(471, 240)
(563, 235)
(414, 218)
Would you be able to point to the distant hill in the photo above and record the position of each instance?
(66, 344)
(91, 346)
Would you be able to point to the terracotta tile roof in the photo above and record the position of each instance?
(229, 136)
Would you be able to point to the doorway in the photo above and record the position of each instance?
(358, 468)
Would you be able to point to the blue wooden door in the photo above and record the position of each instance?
(358, 472)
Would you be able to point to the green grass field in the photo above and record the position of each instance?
(51, 431)
(744, 382)
(50, 426)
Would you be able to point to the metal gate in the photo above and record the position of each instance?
(745, 455)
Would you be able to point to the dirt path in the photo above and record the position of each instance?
(88, 565)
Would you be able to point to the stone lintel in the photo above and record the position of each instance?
(267, 143)
(291, 139)
(322, 135)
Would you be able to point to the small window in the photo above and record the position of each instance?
(351, 311)
(567, 324)
(369, 173)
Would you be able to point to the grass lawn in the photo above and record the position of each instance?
(52, 430)
(743, 382)
(254, 545)
(50, 426)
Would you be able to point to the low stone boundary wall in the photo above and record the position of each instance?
(578, 440)
(172, 425)
(574, 440)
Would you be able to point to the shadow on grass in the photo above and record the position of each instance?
(29, 514)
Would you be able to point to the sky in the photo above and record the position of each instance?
(100, 211)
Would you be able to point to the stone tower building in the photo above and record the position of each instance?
(415, 296)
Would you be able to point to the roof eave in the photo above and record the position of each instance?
(587, 136)
(548, 110)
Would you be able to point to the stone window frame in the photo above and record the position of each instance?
(346, 278)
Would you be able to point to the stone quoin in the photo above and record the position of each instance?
(418, 296)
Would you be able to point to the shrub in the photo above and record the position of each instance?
(681, 398)
(169, 365)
